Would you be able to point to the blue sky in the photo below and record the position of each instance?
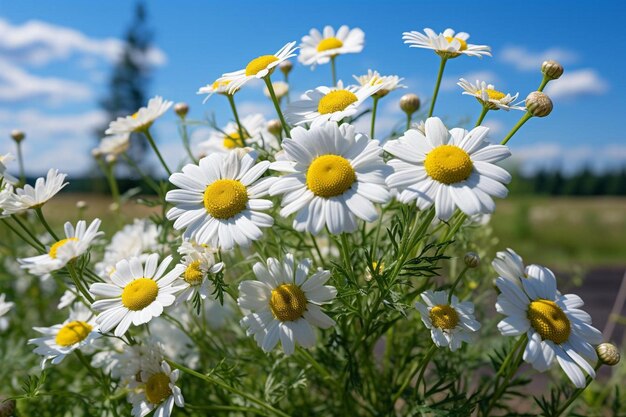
(55, 58)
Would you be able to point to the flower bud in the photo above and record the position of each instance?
(410, 103)
(110, 158)
(17, 135)
(552, 69)
(96, 153)
(285, 67)
(7, 408)
(114, 207)
(538, 104)
(181, 109)
(81, 204)
(471, 259)
(608, 354)
(274, 127)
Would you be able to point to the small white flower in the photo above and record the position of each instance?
(333, 175)
(450, 323)
(5, 307)
(255, 133)
(489, 97)
(113, 145)
(389, 82)
(259, 67)
(198, 263)
(76, 242)
(449, 169)
(447, 44)
(509, 265)
(216, 87)
(77, 332)
(284, 303)
(30, 197)
(4, 175)
(317, 48)
(137, 293)
(157, 391)
(142, 119)
(328, 104)
(555, 326)
(125, 362)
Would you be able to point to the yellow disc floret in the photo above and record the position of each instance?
(139, 294)
(193, 273)
(72, 333)
(549, 321)
(494, 94)
(158, 388)
(330, 176)
(329, 43)
(337, 100)
(259, 64)
(55, 247)
(233, 141)
(461, 41)
(444, 316)
(448, 164)
(225, 198)
(288, 302)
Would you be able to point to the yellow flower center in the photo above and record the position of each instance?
(139, 294)
(135, 114)
(193, 274)
(337, 100)
(494, 94)
(259, 64)
(72, 333)
(461, 41)
(549, 321)
(225, 198)
(158, 388)
(329, 43)
(55, 247)
(233, 141)
(330, 176)
(444, 317)
(219, 84)
(448, 164)
(287, 302)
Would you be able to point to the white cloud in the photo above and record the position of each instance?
(525, 60)
(266, 108)
(38, 125)
(496, 127)
(577, 83)
(449, 83)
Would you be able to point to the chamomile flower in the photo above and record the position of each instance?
(140, 120)
(137, 293)
(198, 264)
(5, 307)
(125, 362)
(284, 303)
(333, 175)
(449, 169)
(317, 48)
(450, 323)
(216, 87)
(113, 145)
(259, 67)
(4, 175)
(447, 44)
(488, 96)
(29, 197)
(218, 203)
(77, 332)
(76, 242)
(255, 133)
(157, 391)
(554, 324)
(509, 265)
(389, 82)
(328, 104)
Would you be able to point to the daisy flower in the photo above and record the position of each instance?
(77, 332)
(140, 120)
(113, 145)
(318, 48)
(198, 263)
(333, 175)
(76, 242)
(447, 44)
(389, 82)
(30, 197)
(216, 87)
(125, 362)
(4, 175)
(5, 307)
(137, 293)
(157, 391)
(259, 67)
(219, 200)
(328, 104)
(448, 169)
(284, 303)
(450, 323)
(555, 325)
(488, 96)
(255, 133)
(509, 265)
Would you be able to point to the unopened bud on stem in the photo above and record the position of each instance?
(410, 103)
(538, 104)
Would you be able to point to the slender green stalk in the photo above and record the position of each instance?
(20, 160)
(146, 178)
(483, 113)
(17, 220)
(184, 135)
(78, 283)
(270, 88)
(374, 107)
(576, 393)
(408, 120)
(543, 84)
(519, 124)
(215, 381)
(421, 366)
(442, 65)
(115, 191)
(287, 99)
(148, 136)
(333, 69)
(425, 362)
(22, 237)
(45, 224)
(456, 282)
(317, 366)
(231, 100)
(317, 249)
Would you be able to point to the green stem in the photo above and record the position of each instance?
(333, 69)
(20, 160)
(543, 84)
(17, 220)
(86, 364)
(442, 65)
(456, 282)
(519, 124)
(229, 388)
(231, 100)
(319, 368)
(148, 136)
(184, 135)
(115, 191)
(77, 282)
(22, 237)
(147, 179)
(45, 224)
(425, 362)
(270, 88)
(576, 393)
(408, 121)
(483, 113)
(421, 366)
(374, 107)
(317, 249)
